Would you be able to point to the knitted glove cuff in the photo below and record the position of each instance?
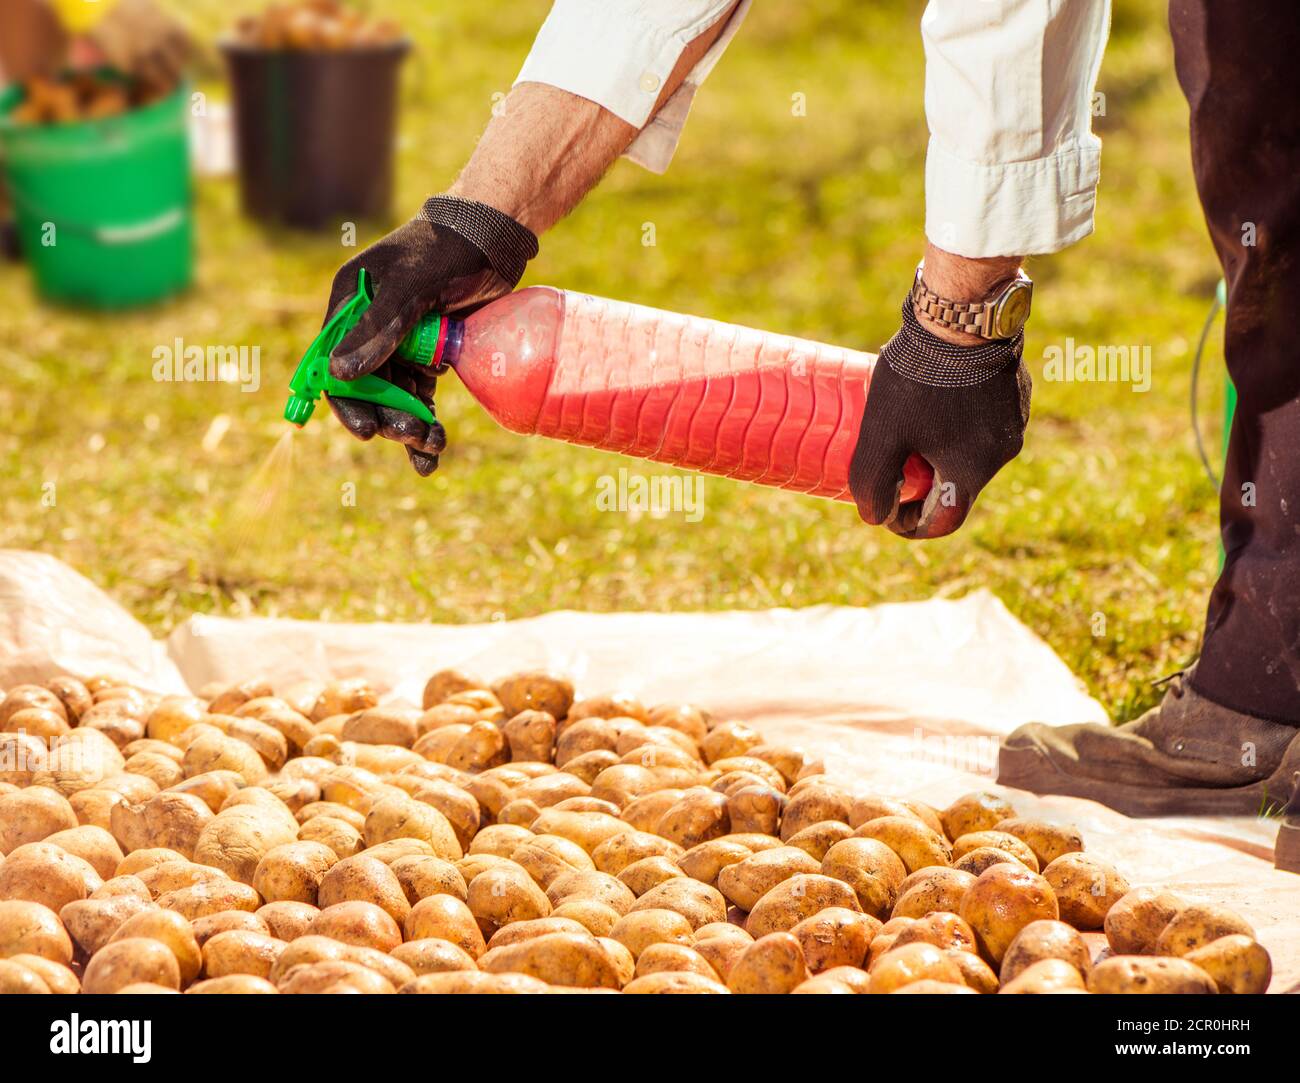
(505, 244)
(926, 359)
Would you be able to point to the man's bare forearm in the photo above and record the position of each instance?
(959, 278)
(547, 148)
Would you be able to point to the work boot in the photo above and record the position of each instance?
(1187, 756)
(1286, 851)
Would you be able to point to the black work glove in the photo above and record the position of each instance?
(961, 408)
(454, 256)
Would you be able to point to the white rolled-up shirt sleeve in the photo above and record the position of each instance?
(1012, 163)
(618, 54)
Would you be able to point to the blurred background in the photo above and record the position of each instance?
(1102, 536)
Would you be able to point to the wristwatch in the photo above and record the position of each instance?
(1000, 317)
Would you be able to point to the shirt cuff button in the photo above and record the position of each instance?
(649, 82)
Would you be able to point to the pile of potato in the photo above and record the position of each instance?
(506, 838)
(314, 26)
(81, 96)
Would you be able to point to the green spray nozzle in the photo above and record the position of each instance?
(312, 377)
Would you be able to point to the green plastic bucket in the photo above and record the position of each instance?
(104, 207)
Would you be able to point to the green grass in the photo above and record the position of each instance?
(809, 225)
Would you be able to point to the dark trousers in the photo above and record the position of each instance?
(1239, 66)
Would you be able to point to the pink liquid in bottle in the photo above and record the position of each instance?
(682, 390)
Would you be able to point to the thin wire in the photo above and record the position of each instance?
(1196, 372)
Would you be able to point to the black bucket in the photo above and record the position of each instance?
(315, 132)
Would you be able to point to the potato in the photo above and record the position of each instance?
(975, 812)
(57, 977)
(42, 873)
(21, 756)
(619, 851)
(1045, 976)
(534, 691)
(700, 904)
(217, 752)
(546, 857)
(594, 885)
(746, 881)
(756, 808)
(382, 726)
(213, 788)
(1237, 964)
(239, 836)
(90, 922)
(1002, 901)
(801, 896)
(1048, 841)
(447, 682)
(240, 952)
(161, 770)
(835, 937)
(73, 694)
(23, 697)
(1086, 888)
(233, 983)
(699, 816)
(728, 740)
(1194, 927)
(531, 735)
(285, 920)
(205, 928)
(293, 872)
(569, 959)
(364, 878)
(425, 875)
(684, 717)
(94, 807)
(360, 923)
(236, 695)
(471, 982)
(975, 972)
(820, 837)
(946, 931)
(976, 861)
(500, 840)
(1143, 974)
(398, 816)
(39, 722)
(912, 962)
(339, 835)
(169, 820)
(617, 705)
(673, 958)
(928, 890)
(587, 829)
(341, 697)
(519, 931)
(916, 845)
(871, 868)
(337, 976)
(124, 962)
(29, 928)
(998, 840)
(706, 861)
(1041, 940)
(17, 979)
(596, 917)
(31, 815)
(721, 952)
(445, 917)
(641, 876)
(501, 896)
(210, 896)
(172, 716)
(122, 885)
(812, 806)
(432, 956)
(637, 930)
(172, 931)
(173, 875)
(773, 963)
(590, 765)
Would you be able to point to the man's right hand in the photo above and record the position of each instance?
(453, 257)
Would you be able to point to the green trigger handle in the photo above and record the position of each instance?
(421, 346)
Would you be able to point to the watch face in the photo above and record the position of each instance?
(1012, 310)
